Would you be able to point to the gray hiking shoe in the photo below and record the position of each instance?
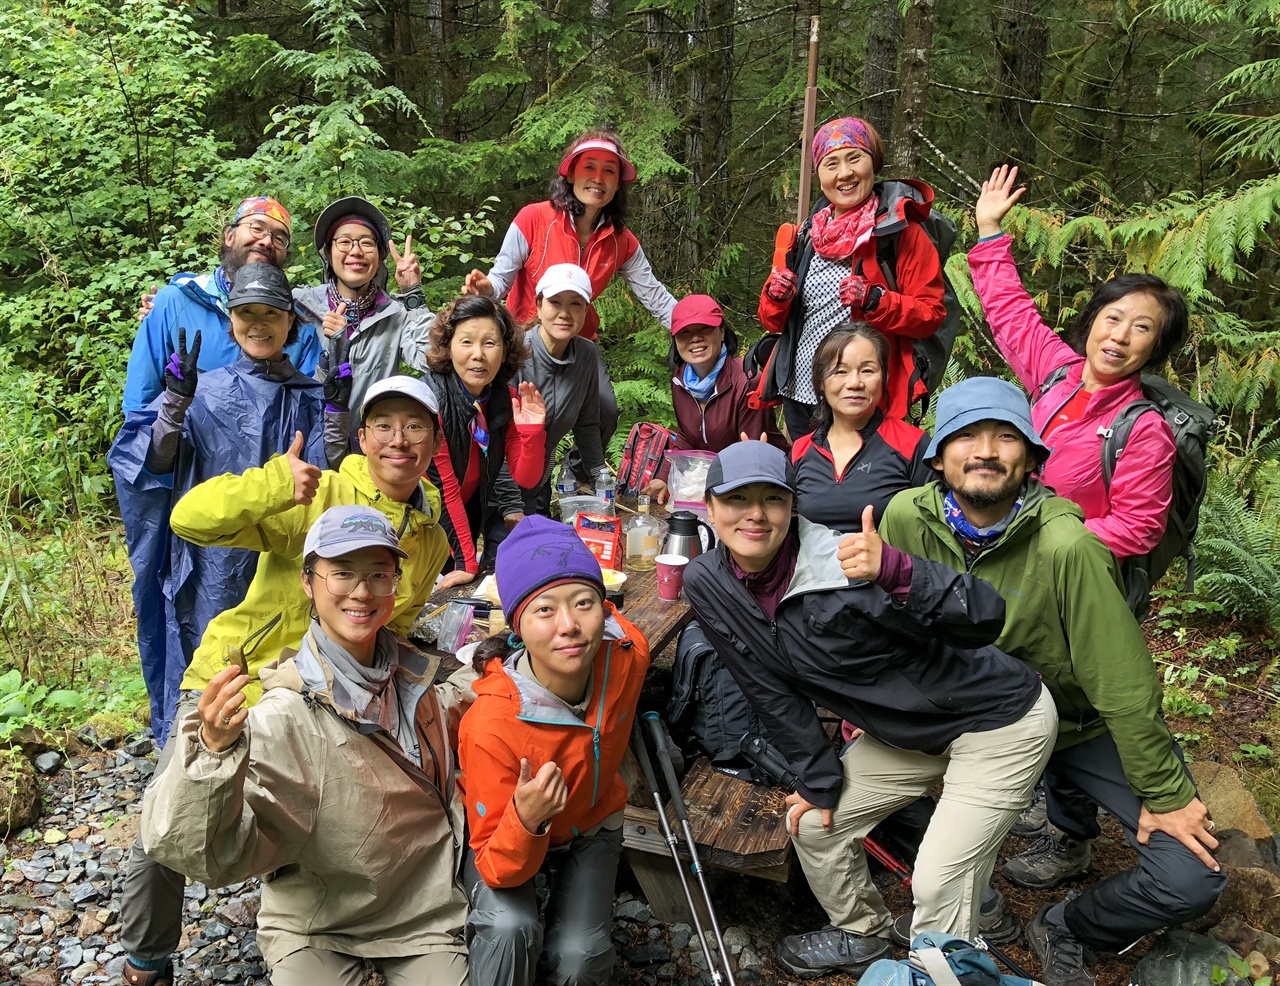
(1034, 819)
(996, 923)
(828, 950)
(1062, 956)
(1051, 859)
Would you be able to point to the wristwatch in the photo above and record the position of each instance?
(874, 294)
(415, 298)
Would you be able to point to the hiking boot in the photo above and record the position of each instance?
(1062, 956)
(1034, 819)
(132, 976)
(828, 950)
(1051, 859)
(996, 923)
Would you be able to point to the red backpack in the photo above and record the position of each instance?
(642, 457)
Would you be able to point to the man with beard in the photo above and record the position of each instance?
(1066, 617)
(259, 232)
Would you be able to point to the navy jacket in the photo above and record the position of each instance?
(916, 674)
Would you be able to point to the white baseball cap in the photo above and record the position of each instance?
(400, 386)
(564, 277)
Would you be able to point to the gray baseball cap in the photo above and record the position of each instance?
(341, 530)
(744, 463)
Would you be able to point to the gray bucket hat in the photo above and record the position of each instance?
(983, 399)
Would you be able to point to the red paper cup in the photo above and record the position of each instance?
(671, 576)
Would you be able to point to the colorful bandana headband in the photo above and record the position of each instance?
(359, 220)
(264, 205)
(848, 131)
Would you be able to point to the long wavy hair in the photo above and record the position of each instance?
(469, 306)
(563, 199)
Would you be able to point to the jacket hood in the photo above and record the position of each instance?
(427, 501)
(201, 289)
(1039, 506)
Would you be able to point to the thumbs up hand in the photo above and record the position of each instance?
(860, 553)
(306, 477)
(539, 797)
(335, 321)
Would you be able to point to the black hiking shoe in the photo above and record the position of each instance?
(828, 950)
(1062, 956)
(1052, 859)
(132, 976)
(1034, 819)
(996, 923)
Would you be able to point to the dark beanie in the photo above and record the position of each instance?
(538, 552)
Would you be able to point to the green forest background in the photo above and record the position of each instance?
(1148, 134)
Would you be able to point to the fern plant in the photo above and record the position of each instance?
(1238, 547)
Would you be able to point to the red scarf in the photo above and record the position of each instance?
(837, 239)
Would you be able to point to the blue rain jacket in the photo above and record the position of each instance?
(237, 420)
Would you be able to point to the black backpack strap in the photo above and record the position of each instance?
(1054, 378)
(887, 258)
(1115, 438)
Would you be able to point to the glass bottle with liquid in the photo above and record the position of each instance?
(641, 536)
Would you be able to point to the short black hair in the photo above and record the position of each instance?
(1172, 330)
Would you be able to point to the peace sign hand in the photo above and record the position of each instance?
(181, 371)
(408, 273)
(859, 554)
(528, 407)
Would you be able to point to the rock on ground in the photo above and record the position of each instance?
(1227, 799)
(19, 794)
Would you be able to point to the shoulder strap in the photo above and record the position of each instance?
(1054, 378)
(887, 258)
(1116, 437)
(935, 964)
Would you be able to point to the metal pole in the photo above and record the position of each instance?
(660, 741)
(806, 137)
(646, 768)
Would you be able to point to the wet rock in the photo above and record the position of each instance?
(20, 806)
(1238, 849)
(648, 954)
(48, 763)
(749, 959)
(633, 910)
(735, 939)
(140, 747)
(1269, 945)
(680, 935)
(1181, 958)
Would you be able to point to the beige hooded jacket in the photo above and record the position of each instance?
(357, 847)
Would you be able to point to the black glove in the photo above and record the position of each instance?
(337, 385)
(180, 372)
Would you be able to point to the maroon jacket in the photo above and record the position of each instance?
(717, 424)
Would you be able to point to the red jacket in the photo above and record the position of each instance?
(540, 236)
(717, 424)
(914, 311)
(514, 717)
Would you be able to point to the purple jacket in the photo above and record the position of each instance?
(1131, 518)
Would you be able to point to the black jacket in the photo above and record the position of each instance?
(915, 675)
(891, 460)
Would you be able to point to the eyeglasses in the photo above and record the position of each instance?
(414, 433)
(365, 243)
(279, 238)
(345, 583)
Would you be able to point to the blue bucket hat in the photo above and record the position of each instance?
(983, 399)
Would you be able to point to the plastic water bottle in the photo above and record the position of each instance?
(605, 488)
(566, 484)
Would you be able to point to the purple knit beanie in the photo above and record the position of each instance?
(538, 552)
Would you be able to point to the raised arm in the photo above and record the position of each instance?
(653, 294)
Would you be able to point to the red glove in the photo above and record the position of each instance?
(853, 292)
(781, 286)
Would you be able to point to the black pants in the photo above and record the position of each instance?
(799, 418)
(1168, 886)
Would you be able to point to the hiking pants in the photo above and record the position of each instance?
(1168, 886)
(506, 938)
(318, 967)
(609, 415)
(988, 778)
(151, 901)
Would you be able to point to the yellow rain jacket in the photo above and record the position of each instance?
(256, 510)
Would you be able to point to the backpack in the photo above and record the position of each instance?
(642, 457)
(931, 354)
(708, 706)
(1193, 426)
(940, 960)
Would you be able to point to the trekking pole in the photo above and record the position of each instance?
(646, 768)
(806, 136)
(660, 741)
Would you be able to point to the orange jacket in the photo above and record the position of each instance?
(514, 717)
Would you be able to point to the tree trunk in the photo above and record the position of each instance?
(880, 70)
(913, 88)
(1020, 39)
(707, 123)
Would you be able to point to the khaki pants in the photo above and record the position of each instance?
(987, 778)
(317, 967)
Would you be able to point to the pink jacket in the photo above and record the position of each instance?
(1131, 520)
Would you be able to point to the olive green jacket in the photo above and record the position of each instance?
(1065, 615)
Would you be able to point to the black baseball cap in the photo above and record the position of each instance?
(261, 284)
